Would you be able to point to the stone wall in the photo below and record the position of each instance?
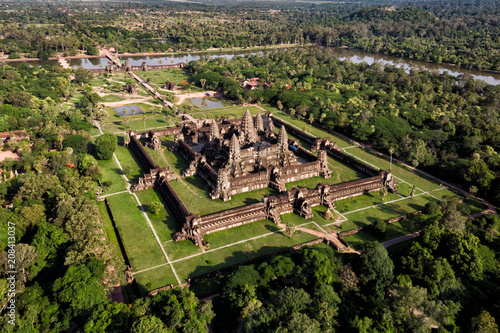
(140, 153)
(177, 207)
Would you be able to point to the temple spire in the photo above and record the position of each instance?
(282, 137)
(234, 147)
(248, 129)
(258, 123)
(214, 131)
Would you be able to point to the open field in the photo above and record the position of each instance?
(138, 238)
(112, 173)
(232, 246)
(230, 112)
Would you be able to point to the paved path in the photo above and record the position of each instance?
(401, 239)
(63, 62)
(330, 237)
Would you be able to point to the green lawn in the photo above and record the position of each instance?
(314, 131)
(111, 172)
(393, 230)
(126, 157)
(228, 112)
(112, 238)
(194, 193)
(164, 222)
(161, 76)
(156, 278)
(138, 238)
(219, 258)
(398, 171)
(387, 211)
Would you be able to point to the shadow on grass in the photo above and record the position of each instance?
(170, 222)
(237, 258)
(272, 227)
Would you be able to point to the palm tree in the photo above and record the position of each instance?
(144, 120)
(383, 192)
(311, 119)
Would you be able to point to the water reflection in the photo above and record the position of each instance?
(358, 57)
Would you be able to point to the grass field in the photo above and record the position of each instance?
(111, 172)
(393, 230)
(314, 131)
(231, 112)
(138, 238)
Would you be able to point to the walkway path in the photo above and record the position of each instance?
(401, 239)
(148, 87)
(63, 62)
(329, 237)
(112, 57)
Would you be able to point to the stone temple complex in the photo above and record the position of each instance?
(238, 156)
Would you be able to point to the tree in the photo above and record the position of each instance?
(290, 229)
(376, 268)
(83, 76)
(79, 143)
(155, 207)
(431, 208)
(279, 105)
(202, 82)
(126, 170)
(454, 221)
(383, 192)
(379, 227)
(79, 288)
(484, 323)
(413, 188)
(412, 310)
(148, 324)
(105, 146)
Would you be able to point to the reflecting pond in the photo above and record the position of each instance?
(127, 110)
(205, 103)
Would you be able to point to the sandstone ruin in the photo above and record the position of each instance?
(239, 156)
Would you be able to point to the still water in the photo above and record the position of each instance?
(205, 103)
(127, 110)
(355, 56)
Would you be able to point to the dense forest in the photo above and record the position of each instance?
(466, 35)
(65, 266)
(446, 280)
(446, 125)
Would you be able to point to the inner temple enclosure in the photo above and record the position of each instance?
(238, 156)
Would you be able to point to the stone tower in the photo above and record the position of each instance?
(234, 162)
(214, 131)
(223, 186)
(283, 138)
(323, 164)
(247, 128)
(271, 125)
(258, 123)
(284, 155)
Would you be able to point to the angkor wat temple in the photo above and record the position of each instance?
(244, 155)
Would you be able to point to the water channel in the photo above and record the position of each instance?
(355, 56)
